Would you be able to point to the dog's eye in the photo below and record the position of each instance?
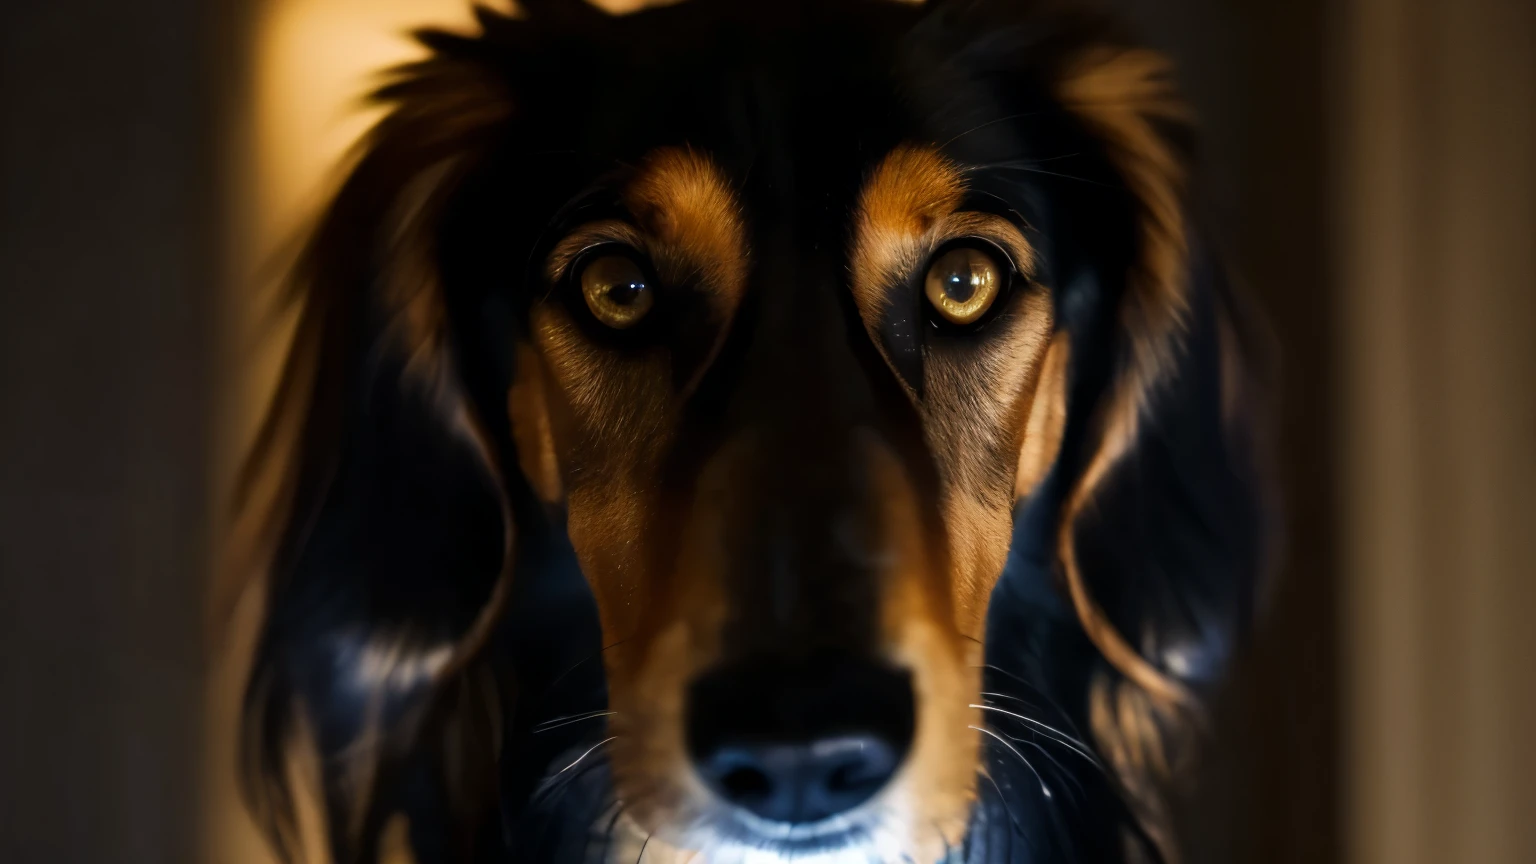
(616, 290)
(963, 282)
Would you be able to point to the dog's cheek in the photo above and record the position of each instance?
(980, 400)
(610, 410)
(608, 419)
(979, 534)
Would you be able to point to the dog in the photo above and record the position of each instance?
(814, 430)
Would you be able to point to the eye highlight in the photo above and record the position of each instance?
(963, 282)
(617, 289)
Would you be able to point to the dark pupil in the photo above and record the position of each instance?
(960, 286)
(624, 293)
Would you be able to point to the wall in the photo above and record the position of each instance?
(108, 190)
(1436, 207)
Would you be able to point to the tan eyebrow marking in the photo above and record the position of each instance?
(909, 206)
(687, 207)
(684, 217)
(909, 191)
(687, 220)
(587, 236)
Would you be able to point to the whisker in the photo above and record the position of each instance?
(1063, 738)
(1044, 789)
(1027, 703)
(584, 755)
(550, 689)
(1034, 688)
(1053, 174)
(992, 694)
(557, 784)
(1059, 767)
(558, 722)
(549, 794)
(982, 126)
(993, 667)
(1015, 163)
(1026, 223)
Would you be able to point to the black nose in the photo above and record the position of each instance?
(801, 782)
(800, 742)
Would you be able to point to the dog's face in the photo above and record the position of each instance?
(779, 312)
(787, 350)
(793, 542)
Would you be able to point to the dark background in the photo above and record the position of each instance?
(109, 221)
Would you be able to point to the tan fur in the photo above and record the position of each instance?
(994, 424)
(587, 236)
(1127, 99)
(689, 210)
(974, 414)
(1095, 623)
(973, 411)
(395, 841)
(671, 637)
(686, 220)
(675, 635)
(1125, 722)
(1018, 393)
(1124, 96)
(908, 192)
(937, 784)
(1047, 418)
(609, 416)
(677, 638)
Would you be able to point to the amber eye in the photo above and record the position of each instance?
(616, 290)
(962, 283)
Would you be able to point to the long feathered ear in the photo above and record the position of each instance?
(391, 543)
(1142, 481)
(1160, 526)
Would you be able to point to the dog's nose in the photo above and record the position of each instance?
(800, 782)
(802, 743)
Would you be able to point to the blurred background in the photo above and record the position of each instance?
(1370, 165)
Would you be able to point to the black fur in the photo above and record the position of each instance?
(397, 521)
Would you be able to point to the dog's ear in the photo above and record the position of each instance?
(391, 544)
(1140, 485)
(1161, 516)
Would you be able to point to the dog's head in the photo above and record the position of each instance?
(798, 320)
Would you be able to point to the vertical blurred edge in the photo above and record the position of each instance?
(1435, 207)
(112, 207)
